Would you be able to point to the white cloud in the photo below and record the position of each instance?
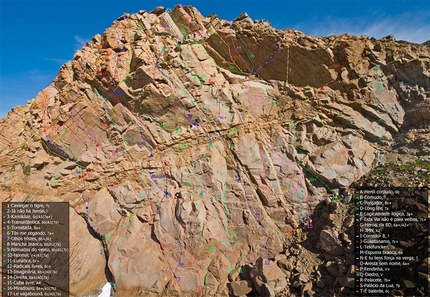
(407, 26)
(39, 76)
(57, 60)
(80, 42)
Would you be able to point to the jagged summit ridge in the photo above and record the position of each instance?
(196, 148)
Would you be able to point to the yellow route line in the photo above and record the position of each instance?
(288, 62)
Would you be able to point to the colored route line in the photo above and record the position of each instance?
(347, 151)
(378, 88)
(269, 60)
(206, 247)
(273, 54)
(173, 26)
(288, 63)
(252, 213)
(174, 87)
(64, 155)
(168, 195)
(209, 122)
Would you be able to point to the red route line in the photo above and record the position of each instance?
(337, 65)
(165, 99)
(223, 140)
(240, 56)
(243, 45)
(263, 181)
(64, 123)
(192, 22)
(228, 47)
(44, 110)
(94, 105)
(156, 240)
(269, 142)
(163, 258)
(187, 235)
(358, 173)
(157, 144)
(175, 88)
(137, 178)
(182, 20)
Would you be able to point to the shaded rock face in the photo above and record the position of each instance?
(193, 147)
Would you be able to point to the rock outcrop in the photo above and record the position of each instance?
(194, 151)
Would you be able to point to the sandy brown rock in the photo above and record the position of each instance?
(199, 150)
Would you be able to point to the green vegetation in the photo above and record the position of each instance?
(418, 163)
(407, 168)
(26, 170)
(5, 188)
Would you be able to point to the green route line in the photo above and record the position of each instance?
(378, 88)
(162, 126)
(314, 174)
(201, 78)
(201, 225)
(190, 97)
(185, 91)
(194, 101)
(226, 210)
(298, 162)
(89, 94)
(260, 83)
(231, 67)
(224, 195)
(198, 218)
(56, 181)
(293, 140)
(185, 61)
(206, 190)
(130, 221)
(107, 236)
(186, 31)
(25, 169)
(244, 49)
(214, 209)
(106, 112)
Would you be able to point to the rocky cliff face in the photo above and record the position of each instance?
(194, 151)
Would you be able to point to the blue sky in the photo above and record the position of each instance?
(37, 37)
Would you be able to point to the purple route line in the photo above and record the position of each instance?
(171, 27)
(116, 59)
(173, 84)
(269, 61)
(237, 171)
(235, 49)
(159, 213)
(301, 193)
(118, 37)
(247, 201)
(219, 103)
(191, 21)
(89, 135)
(161, 225)
(114, 72)
(253, 214)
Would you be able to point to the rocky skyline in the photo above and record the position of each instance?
(203, 157)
